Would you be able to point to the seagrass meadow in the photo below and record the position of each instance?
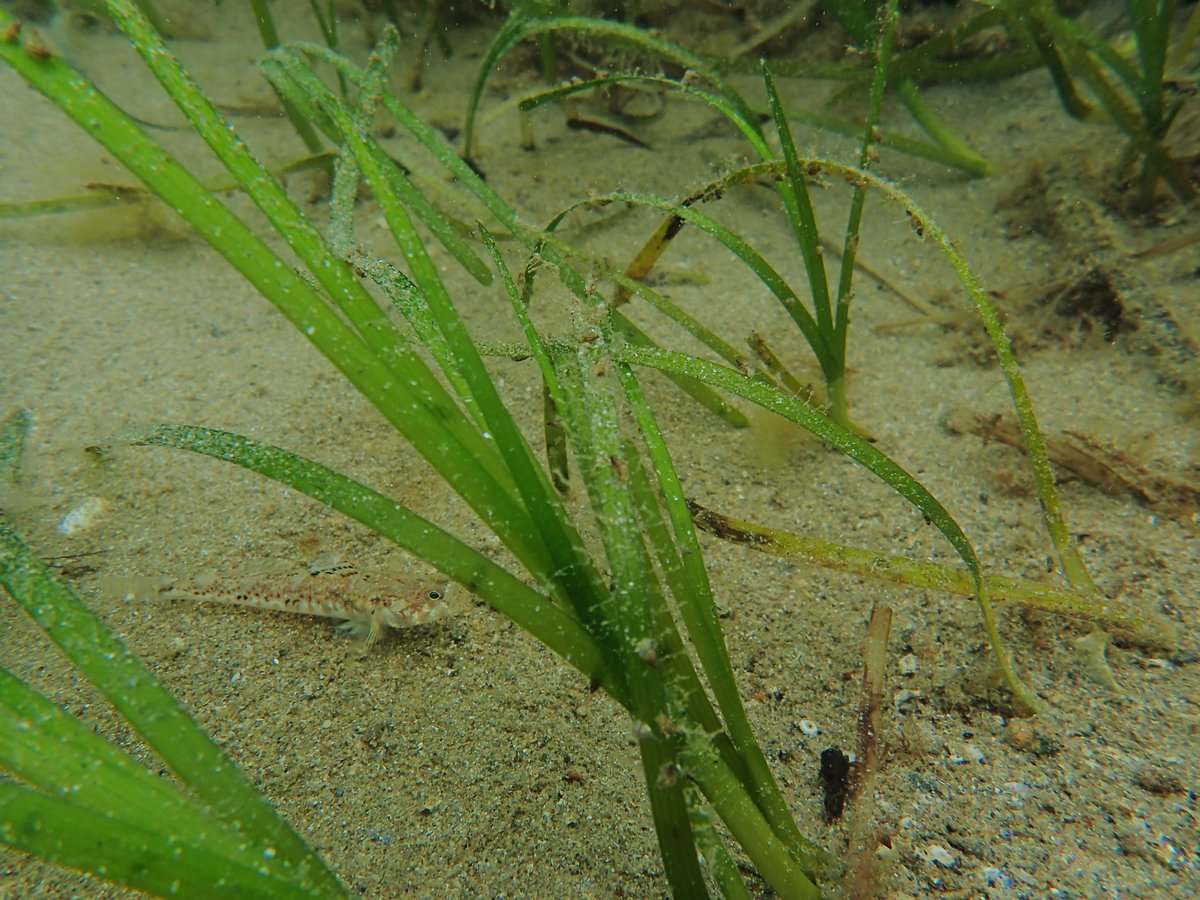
(684, 343)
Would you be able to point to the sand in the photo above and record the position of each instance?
(465, 759)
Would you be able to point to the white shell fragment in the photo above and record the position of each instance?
(83, 516)
(938, 855)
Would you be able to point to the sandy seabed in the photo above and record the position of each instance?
(463, 758)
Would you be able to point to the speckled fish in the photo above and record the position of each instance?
(370, 604)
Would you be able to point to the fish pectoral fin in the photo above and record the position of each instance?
(356, 629)
(375, 632)
(365, 634)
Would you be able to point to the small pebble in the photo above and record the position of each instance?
(887, 853)
(1020, 734)
(1159, 779)
(808, 728)
(939, 855)
(909, 664)
(1015, 793)
(996, 878)
(970, 754)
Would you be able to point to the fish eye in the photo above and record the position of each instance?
(435, 595)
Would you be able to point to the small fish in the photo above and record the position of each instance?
(370, 604)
